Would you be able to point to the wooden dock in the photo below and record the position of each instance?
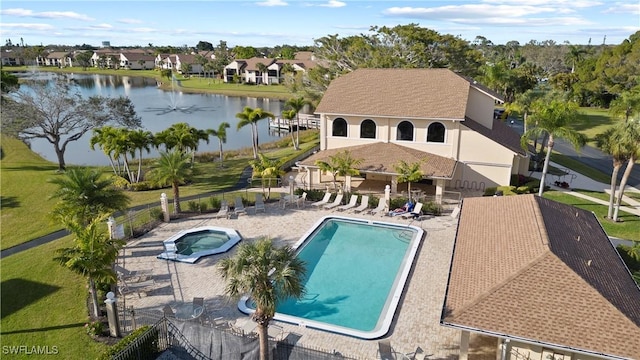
(307, 121)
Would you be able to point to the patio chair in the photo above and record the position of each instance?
(364, 204)
(382, 204)
(198, 301)
(129, 274)
(415, 213)
(275, 332)
(224, 210)
(384, 350)
(352, 203)
(324, 201)
(302, 200)
(239, 206)
(260, 203)
(335, 202)
(135, 287)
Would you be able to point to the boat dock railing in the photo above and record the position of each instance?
(307, 121)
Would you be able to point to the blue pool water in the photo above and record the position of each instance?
(191, 244)
(356, 272)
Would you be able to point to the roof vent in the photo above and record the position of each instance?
(577, 213)
(578, 238)
(588, 262)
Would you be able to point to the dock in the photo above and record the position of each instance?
(307, 121)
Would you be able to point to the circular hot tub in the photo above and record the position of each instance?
(192, 244)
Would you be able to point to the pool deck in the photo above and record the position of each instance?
(416, 323)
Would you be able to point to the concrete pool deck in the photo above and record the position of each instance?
(416, 323)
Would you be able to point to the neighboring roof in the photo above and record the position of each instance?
(138, 56)
(305, 64)
(403, 93)
(304, 55)
(252, 64)
(536, 270)
(500, 133)
(383, 157)
(57, 55)
(187, 58)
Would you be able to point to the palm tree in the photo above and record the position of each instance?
(630, 138)
(173, 167)
(289, 115)
(83, 195)
(340, 164)
(609, 142)
(575, 55)
(182, 136)
(626, 104)
(250, 117)
(140, 140)
(522, 104)
(104, 137)
(92, 255)
(268, 275)
(408, 173)
(262, 68)
(221, 134)
(266, 169)
(297, 104)
(554, 120)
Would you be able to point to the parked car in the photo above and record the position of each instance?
(498, 113)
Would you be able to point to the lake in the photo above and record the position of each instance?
(156, 108)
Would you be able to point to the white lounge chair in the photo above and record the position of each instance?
(239, 206)
(380, 209)
(415, 213)
(135, 287)
(335, 202)
(324, 201)
(260, 203)
(224, 210)
(302, 200)
(352, 203)
(131, 274)
(364, 204)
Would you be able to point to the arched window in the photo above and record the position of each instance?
(368, 129)
(339, 127)
(435, 132)
(405, 131)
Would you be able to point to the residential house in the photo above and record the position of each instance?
(543, 279)
(431, 116)
(189, 59)
(248, 70)
(106, 58)
(11, 58)
(57, 58)
(137, 61)
(275, 74)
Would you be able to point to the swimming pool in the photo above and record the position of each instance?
(192, 244)
(356, 272)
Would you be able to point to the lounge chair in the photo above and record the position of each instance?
(384, 350)
(224, 210)
(239, 206)
(364, 204)
(260, 203)
(352, 203)
(302, 200)
(335, 202)
(415, 213)
(135, 287)
(380, 209)
(324, 201)
(129, 274)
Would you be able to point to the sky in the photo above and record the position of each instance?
(299, 22)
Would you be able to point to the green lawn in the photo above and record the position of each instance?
(581, 168)
(628, 229)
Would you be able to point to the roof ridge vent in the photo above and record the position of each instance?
(578, 238)
(589, 262)
(577, 213)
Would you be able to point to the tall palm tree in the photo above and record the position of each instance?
(82, 195)
(631, 140)
(554, 120)
(609, 142)
(269, 275)
(408, 173)
(267, 169)
(251, 117)
(140, 140)
(92, 254)
(104, 137)
(289, 115)
(221, 134)
(297, 104)
(575, 55)
(173, 167)
(340, 164)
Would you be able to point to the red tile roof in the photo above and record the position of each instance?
(537, 270)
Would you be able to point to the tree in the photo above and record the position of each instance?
(92, 255)
(297, 104)
(289, 115)
(262, 69)
(340, 164)
(8, 83)
(140, 140)
(104, 137)
(610, 143)
(627, 104)
(630, 138)
(173, 167)
(58, 113)
(554, 120)
(204, 46)
(83, 59)
(267, 169)
(408, 173)
(269, 275)
(522, 104)
(83, 195)
(244, 52)
(221, 134)
(251, 117)
(182, 136)
(575, 55)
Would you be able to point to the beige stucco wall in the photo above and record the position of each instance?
(480, 108)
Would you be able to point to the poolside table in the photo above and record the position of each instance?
(188, 311)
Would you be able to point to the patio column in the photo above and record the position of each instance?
(347, 183)
(439, 190)
(309, 178)
(394, 184)
(464, 345)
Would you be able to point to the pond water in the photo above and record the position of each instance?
(160, 109)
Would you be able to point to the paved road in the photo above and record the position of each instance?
(589, 156)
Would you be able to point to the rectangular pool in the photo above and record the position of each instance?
(356, 272)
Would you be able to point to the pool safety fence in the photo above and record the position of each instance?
(203, 340)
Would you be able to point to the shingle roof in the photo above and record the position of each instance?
(500, 133)
(252, 64)
(383, 157)
(537, 270)
(405, 93)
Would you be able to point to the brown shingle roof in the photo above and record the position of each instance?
(405, 93)
(252, 64)
(383, 157)
(501, 133)
(534, 269)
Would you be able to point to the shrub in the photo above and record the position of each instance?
(141, 186)
(203, 206)
(94, 328)
(120, 182)
(396, 203)
(432, 208)
(193, 206)
(214, 202)
(150, 346)
(490, 191)
(156, 213)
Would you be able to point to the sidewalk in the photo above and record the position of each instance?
(579, 181)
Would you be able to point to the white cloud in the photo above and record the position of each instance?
(130, 21)
(46, 14)
(144, 30)
(272, 3)
(334, 4)
(469, 11)
(620, 8)
(17, 12)
(40, 27)
(101, 27)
